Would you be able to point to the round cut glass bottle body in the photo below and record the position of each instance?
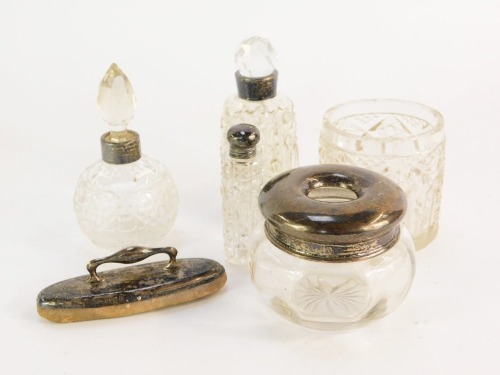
(324, 295)
(120, 205)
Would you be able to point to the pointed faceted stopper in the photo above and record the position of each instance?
(116, 99)
(255, 58)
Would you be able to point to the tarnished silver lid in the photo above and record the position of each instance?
(332, 213)
(243, 139)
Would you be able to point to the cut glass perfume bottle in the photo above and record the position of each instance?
(241, 184)
(125, 199)
(259, 104)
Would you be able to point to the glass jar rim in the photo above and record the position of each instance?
(363, 106)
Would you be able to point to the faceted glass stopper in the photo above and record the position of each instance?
(255, 58)
(116, 99)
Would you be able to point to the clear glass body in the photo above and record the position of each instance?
(404, 141)
(241, 184)
(275, 119)
(124, 205)
(326, 295)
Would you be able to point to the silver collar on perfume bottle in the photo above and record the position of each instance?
(123, 152)
(257, 88)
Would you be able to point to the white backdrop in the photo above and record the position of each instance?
(179, 58)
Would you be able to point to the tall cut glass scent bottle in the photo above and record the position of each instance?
(241, 183)
(126, 198)
(259, 104)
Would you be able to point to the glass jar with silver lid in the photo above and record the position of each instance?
(334, 254)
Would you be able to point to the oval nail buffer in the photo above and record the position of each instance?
(130, 290)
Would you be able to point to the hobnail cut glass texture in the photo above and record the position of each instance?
(125, 205)
(275, 119)
(325, 295)
(241, 184)
(404, 141)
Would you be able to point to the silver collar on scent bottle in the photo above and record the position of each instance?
(257, 88)
(125, 151)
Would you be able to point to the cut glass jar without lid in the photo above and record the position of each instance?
(334, 255)
(402, 140)
(258, 103)
(125, 199)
